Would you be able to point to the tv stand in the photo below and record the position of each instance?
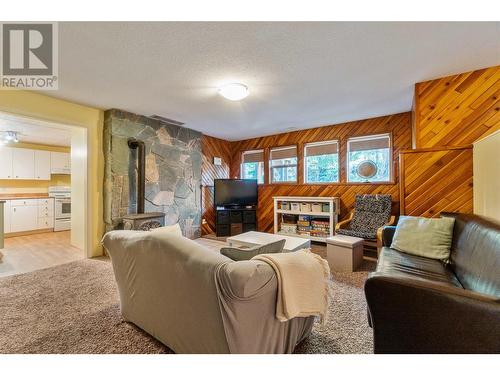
(230, 221)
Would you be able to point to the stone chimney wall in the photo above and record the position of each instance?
(173, 170)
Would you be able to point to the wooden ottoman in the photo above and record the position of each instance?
(344, 253)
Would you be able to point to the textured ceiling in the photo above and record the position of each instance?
(300, 75)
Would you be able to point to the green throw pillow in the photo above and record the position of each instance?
(425, 237)
(246, 254)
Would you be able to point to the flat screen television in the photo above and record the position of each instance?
(235, 192)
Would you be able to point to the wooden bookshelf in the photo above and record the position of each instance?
(331, 214)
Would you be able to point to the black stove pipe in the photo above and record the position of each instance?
(135, 144)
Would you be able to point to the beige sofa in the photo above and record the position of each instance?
(195, 300)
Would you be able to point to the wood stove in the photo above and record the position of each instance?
(141, 220)
(144, 221)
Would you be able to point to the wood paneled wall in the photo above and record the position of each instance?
(398, 125)
(436, 180)
(212, 147)
(457, 110)
(448, 115)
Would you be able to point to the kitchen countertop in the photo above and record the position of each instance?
(10, 196)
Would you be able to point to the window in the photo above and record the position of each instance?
(321, 161)
(283, 164)
(369, 159)
(252, 165)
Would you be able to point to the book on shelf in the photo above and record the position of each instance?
(319, 222)
(304, 227)
(303, 222)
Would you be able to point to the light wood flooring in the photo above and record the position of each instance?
(33, 252)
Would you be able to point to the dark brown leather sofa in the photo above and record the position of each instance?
(421, 305)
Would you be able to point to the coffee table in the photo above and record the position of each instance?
(249, 239)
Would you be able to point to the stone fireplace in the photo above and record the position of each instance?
(172, 172)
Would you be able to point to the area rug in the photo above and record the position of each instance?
(74, 308)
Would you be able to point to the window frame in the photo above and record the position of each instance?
(263, 163)
(391, 159)
(305, 163)
(271, 167)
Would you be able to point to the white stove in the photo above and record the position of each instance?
(62, 207)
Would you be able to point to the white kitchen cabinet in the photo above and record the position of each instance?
(6, 217)
(5, 163)
(45, 222)
(22, 215)
(45, 213)
(46, 202)
(60, 163)
(24, 202)
(42, 165)
(23, 218)
(23, 164)
(28, 164)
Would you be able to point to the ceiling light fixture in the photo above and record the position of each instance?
(234, 91)
(9, 137)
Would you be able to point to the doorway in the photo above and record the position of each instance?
(43, 181)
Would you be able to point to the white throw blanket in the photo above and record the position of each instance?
(303, 281)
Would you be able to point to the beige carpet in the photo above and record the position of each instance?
(74, 308)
